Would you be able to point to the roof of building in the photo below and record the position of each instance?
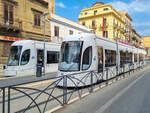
(65, 21)
(98, 4)
(125, 14)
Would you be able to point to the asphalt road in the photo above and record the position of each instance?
(130, 95)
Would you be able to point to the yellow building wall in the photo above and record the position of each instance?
(23, 16)
(111, 15)
(146, 41)
(28, 20)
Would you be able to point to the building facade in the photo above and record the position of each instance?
(21, 20)
(146, 44)
(108, 22)
(62, 27)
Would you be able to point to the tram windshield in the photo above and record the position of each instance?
(70, 56)
(14, 56)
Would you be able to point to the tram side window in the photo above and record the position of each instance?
(125, 57)
(110, 58)
(122, 58)
(135, 57)
(141, 57)
(25, 57)
(87, 58)
(130, 57)
(52, 57)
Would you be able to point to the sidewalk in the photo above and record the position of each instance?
(1, 71)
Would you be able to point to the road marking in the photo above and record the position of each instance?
(96, 89)
(85, 94)
(106, 105)
(104, 85)
(73, 100)
(54, 109)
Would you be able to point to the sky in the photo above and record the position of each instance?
(139, 10)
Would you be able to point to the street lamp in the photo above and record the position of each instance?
(44, 20)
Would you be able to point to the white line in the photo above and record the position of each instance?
(54, 109)
(73, 100)
(105, 106)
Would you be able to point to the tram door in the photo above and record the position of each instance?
(100, 59)
(40, 56)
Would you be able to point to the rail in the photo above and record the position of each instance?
(16, 97)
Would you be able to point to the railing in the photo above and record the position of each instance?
(13, 94)
(16, 24)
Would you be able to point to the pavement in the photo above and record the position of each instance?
(129, 95)
(1, 72)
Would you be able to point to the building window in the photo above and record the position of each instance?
(105, 9)
(95, 12)
(37, 19)
(93, 23)
(56, 31)
(85, 13)
(105, 21)
(83, 23)
(70, 32)
(106, 34)
(8, 14)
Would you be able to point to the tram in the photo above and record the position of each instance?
(87, 52)
(26, 55)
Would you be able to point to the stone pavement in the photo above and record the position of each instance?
(1, 72)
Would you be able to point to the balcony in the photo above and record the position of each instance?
(105, 26)
(135, 38)
(115, 25)
(15, 25)
(93, 27)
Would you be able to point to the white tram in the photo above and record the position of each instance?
(27, 54)
(88, 52)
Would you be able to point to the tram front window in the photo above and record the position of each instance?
(70, 56)
(14, 56)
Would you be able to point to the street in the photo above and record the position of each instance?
(130, 95)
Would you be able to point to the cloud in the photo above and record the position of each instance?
(144, 32)
(60, 4)
(132, 7)
(141, 24)
(143, 28)
(75, 7)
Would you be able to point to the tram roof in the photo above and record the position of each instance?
(24, 42)
(91, 37)
(82, 37)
